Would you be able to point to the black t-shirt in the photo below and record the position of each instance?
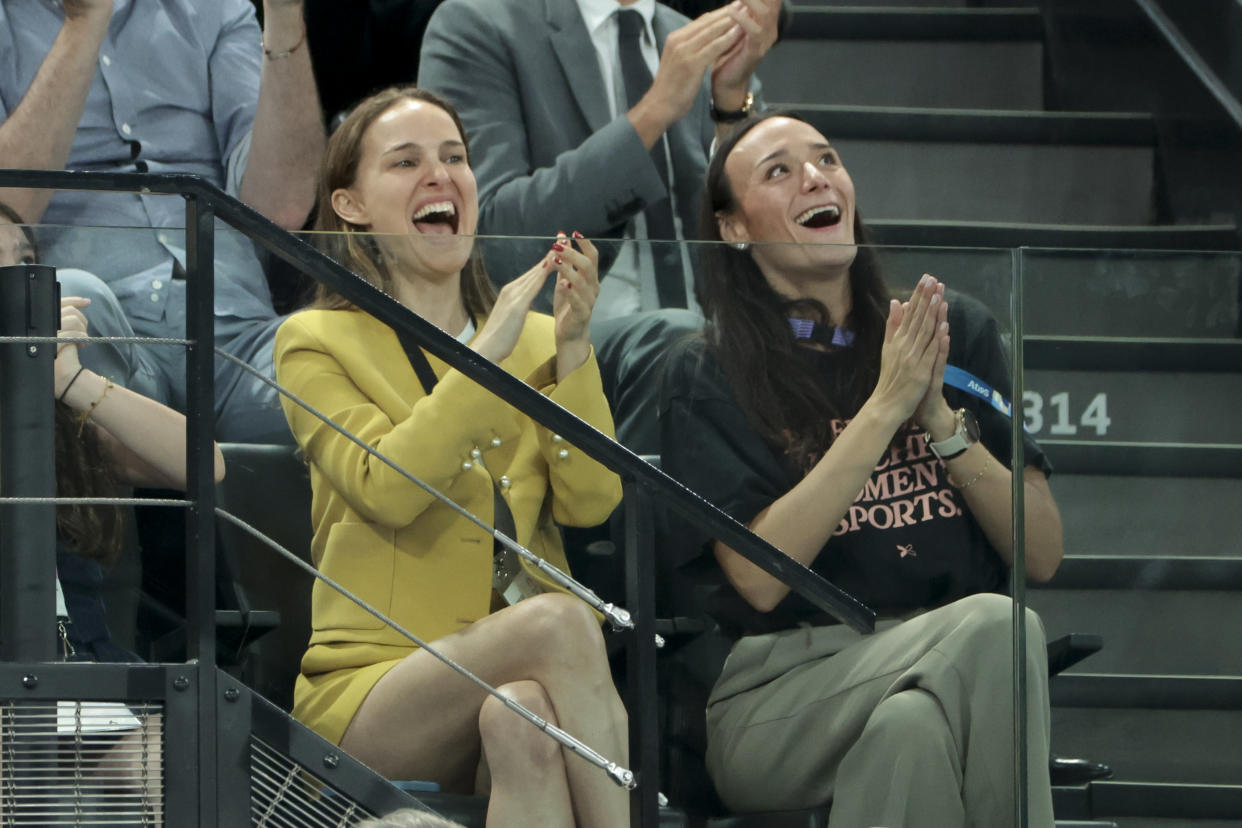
(907, 542)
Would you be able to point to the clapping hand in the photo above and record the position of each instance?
(731, 72)
(73, 329)
(577, 288)
(916, 347)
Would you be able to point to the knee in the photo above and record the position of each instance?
(911, 719)
(565, 630)
(508, 736)
(990, 615)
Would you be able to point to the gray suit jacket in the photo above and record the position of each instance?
(524, 76)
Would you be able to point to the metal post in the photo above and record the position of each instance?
(28, 307)
(1019, 551)
(641, 699)
(200, 520)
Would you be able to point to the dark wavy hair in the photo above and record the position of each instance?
(94, 532)
(350, 244)
(779, 389)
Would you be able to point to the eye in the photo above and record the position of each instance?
(775, 170)
(405, 162)
(829, 158)
(455, 158)
(28, 259)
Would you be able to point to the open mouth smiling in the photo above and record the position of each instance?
(436, 218)
(827, 215)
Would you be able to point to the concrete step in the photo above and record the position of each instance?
(1068, 292)
(1147, 631)
(935, 57)
(1106, 515)
(976, 165)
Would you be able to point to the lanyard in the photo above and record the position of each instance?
(968, 382)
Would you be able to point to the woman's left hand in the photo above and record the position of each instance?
(577, 288)
(933, 414)
(73, 328)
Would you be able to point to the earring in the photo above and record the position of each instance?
(742, 245)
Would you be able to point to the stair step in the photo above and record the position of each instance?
(1178, 800)
(1101, 353)
(1145, 459)
(973, 165)
(990, 58)
(1149, 632)
(895, 21)
(1153, 692)
(1158, 746)
(1088, 292)
(977, 125)
(1180, 237)
(1175, 572)
(1156, 516)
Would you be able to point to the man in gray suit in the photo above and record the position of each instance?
(564, 141)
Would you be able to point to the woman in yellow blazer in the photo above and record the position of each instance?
(398, 189)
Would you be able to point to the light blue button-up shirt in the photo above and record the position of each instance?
(176, 90)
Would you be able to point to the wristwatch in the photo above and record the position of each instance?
(732, 116)
(964, 437)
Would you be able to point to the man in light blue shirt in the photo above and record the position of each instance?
(164, 86)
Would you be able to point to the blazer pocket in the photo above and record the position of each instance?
(362, 560)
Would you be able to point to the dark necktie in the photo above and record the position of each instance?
(669, 277)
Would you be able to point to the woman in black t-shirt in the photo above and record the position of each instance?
(813, 409)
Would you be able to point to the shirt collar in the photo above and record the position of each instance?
(596, 13)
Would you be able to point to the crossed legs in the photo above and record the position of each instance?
(424, 721)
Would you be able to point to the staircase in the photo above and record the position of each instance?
(1072, 130)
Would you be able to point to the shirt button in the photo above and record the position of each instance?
(126, 129)
(495, 442)
(505, 481)
(476, 454)
(563, 454)
(155, 297)
(157, 284)
(107, 61)
(467, 466)
(556, 438)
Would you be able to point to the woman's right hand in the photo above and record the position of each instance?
(73, 329)
(916, 333)
(500, 335)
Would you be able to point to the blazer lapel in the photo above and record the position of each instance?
(572, 43)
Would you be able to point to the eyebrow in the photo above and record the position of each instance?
(782, 151)
(407, 145)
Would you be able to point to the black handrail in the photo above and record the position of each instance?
(293, 250)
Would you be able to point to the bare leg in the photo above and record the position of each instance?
(528, 783)
(421, 720)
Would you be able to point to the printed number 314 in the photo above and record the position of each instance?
(1094, 416)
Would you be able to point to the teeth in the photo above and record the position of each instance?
(437, 207)
(815, 211)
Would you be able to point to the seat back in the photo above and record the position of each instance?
(268, 487)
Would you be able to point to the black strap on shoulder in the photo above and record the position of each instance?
(502, 518)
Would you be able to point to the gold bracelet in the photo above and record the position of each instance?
(86, 415)
(282, 55)
(972, 481)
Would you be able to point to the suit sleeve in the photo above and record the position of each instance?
(584, 492)
(431, 442)
(594, 185)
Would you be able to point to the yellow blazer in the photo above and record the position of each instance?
(385, 538)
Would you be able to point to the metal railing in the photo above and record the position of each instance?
(27, 546)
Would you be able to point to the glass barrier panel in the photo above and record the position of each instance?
(1133, 383)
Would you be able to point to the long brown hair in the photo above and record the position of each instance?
(81, 469)
(350, 244)
(778, 388)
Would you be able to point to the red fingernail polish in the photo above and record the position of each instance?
(577, 235)
(558, 260)
(558, 247)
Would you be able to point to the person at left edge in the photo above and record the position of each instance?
(163, 86)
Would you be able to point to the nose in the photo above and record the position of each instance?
(438, 173)
(813, 177)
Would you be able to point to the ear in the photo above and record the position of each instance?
(345, 205)
(731, 228)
